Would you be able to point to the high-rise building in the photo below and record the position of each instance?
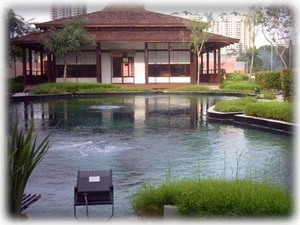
(58, 11)
(233, 25)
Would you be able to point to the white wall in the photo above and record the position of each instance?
(106, 68)
(139, 68)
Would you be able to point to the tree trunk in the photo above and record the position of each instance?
(276, 49)
(198, 67)
(65, 69)
(252, 61)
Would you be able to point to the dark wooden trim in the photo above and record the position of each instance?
(219, 64)
(98, 63)
(146, 64)
(215, 61)
(207, 62)
(30, 62)
(24, 64)
(42, 63)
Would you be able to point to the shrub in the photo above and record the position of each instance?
(235, 105)
(269, 79)
(23, 156)
(16, 85)
(287, 81)
(204, 198)
(271, 110)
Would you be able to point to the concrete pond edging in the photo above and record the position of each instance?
(240, 119)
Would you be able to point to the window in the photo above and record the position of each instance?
(169, 63)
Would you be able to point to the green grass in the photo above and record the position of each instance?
(63, 88)
(240, 86)
(213, 198)
(235, 105)
(194, 88)
(237, 76)
(271, 110)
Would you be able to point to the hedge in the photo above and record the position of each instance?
(271, 110)
(269, 79)
(287, 80)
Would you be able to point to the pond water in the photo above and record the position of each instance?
(143, 139)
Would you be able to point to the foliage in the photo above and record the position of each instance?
(271, 110)
(198, 36)
(16, 84)
(269, 79)
(269, 56)
(69, 39)
(63, 88)
(235, 105)
(287, 82)
(17, 27)
(23, 156)
(247, 57)
(213, 198)
(277, 23)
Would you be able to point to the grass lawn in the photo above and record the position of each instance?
(63, 88)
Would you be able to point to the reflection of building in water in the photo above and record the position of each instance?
(134, 112)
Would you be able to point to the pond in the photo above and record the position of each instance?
(143, 139)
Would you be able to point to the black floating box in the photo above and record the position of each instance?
(96, 185)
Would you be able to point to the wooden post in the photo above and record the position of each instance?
(30, 63)
(98, 61)
(207, 63)
(49, 68)
(42, 63)
(24, 65)
(215, 61)
(219, 64)
(146, 64)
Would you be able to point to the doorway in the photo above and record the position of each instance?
(122, 70)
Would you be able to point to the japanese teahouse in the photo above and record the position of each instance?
(133, 46)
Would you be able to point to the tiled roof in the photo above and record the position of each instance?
(123, 16)
(132, 36)
(129, 24)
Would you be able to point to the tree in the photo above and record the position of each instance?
(198, 36)
(277, 25)
(252, 58)
(16, 27)
(252, 25)
(68, 39)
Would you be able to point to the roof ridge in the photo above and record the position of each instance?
(125, 7)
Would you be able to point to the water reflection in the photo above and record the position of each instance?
(144, 139)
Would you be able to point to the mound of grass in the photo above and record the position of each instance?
(237, 76)
(271, 110)
(195, 88)
(213, 198)
(241, 86)
(235, 105)
(63, 88)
